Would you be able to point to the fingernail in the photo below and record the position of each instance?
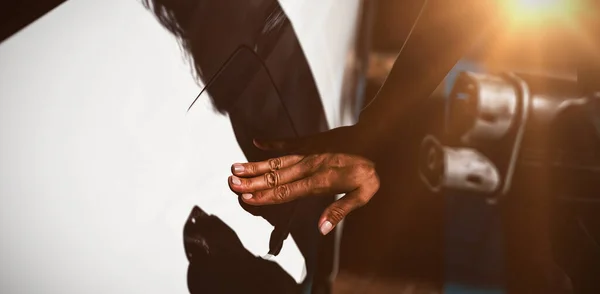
(238, 168)
(246, 196)
(236, 180)
(326, 227)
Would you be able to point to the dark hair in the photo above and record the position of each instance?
(177, 17)
(210, 31)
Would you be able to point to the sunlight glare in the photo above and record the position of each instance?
(532, 12)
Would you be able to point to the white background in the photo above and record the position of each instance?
(100, 165)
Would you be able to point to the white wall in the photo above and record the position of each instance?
(100, 165)
(326, 30)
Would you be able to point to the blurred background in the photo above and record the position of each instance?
(458, 243)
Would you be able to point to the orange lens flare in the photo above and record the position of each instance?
(534, 12)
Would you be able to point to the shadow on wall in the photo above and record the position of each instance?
(261, 103)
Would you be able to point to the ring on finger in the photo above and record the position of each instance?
(275, 164)
(272, 179)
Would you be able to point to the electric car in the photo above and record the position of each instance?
(102, 162)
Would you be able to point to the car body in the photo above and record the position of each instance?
(101, 164)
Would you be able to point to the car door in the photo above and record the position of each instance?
(101, 164)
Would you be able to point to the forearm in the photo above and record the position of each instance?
(445, 31)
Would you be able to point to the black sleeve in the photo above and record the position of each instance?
(445, 31)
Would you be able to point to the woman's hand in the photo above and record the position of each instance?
(287, 178)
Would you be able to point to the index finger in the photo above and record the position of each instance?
(253, 169)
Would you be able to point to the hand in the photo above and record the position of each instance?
(307, 173)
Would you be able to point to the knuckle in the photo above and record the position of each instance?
(281, 193)
(362, 200)
(320, 158)
(275, 163)
(307, 162)
(336, 160)
(330, 173)
(310, 162)
(364, 170)
(312, 183)
(245, 183)
(252, 168)
(272, 179)
(319, 183)
(308, 184)
(336, 214)
(258, 195)
(321, 180)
